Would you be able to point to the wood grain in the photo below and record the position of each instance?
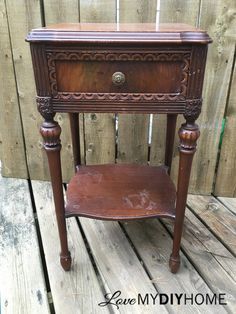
(229, 202)
(132, 145)
(99, 129)
(171, 11)
(219, 219)
(118, 263)
(75, 291)
(12, 141)
(194, 243)
(153, 244)
(220, 24)
(23, 288)
(59, 12)
(226, 178)
(19, 26)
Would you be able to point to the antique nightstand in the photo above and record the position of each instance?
(125, 68)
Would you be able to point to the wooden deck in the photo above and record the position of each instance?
(109, 256)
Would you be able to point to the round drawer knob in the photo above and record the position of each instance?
(118, 78)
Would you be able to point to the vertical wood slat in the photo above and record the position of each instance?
(22, 17)
(12, 142)
(133, 129)
(226, 178)
(59, 12)
(99, 129)
(171, 11)
(220, 24)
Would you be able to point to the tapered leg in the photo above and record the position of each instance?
(188, 133)
(74, 126)
(50, 131)
(170, 136)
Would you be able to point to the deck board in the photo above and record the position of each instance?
(218, 218)
(194, 243)
(76, 291)
(229, 202)
(154, 245)
(22, 284)
(118, 263)
(131, 257)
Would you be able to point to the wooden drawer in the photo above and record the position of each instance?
(84, 79)
(139, 77)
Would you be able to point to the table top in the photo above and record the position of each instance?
(119, 32)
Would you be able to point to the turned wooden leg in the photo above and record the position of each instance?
(188, 133)
(170, 137)
(50, 131)
(74, 126)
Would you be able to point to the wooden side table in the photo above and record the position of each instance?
(126, 68)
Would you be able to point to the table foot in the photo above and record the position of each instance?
(174, 264)
(65, 261)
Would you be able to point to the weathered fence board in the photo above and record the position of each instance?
(226, 178)
(22, 17)
(12, 142)
(217, 18)
(103, 143)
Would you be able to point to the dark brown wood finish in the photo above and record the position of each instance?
(170, 137)
(134, 68)
(75, 136)
(121, 192)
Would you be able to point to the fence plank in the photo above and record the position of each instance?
(226, 178)
(10, 122)
(99, 129)
(220, 23)
(59, 12)
(171, 11)
(133, 128)
(22, 17)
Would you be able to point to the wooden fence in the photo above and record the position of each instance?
(214, 169)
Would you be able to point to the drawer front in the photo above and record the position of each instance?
(100, 77)
(90, 77)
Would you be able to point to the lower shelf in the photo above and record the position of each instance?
(121, 192)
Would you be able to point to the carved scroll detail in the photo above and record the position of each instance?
(182, 56)
(45, 107)
(131, 97)
(192, 109)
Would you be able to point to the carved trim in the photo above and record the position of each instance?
(50, 132)
(100, 55)
(192, 109)
(111, 97)
(188, 135)
(45, 107)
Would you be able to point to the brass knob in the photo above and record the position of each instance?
(118, 78)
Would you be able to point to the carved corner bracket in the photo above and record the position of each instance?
(192, 109)
(45, 107)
